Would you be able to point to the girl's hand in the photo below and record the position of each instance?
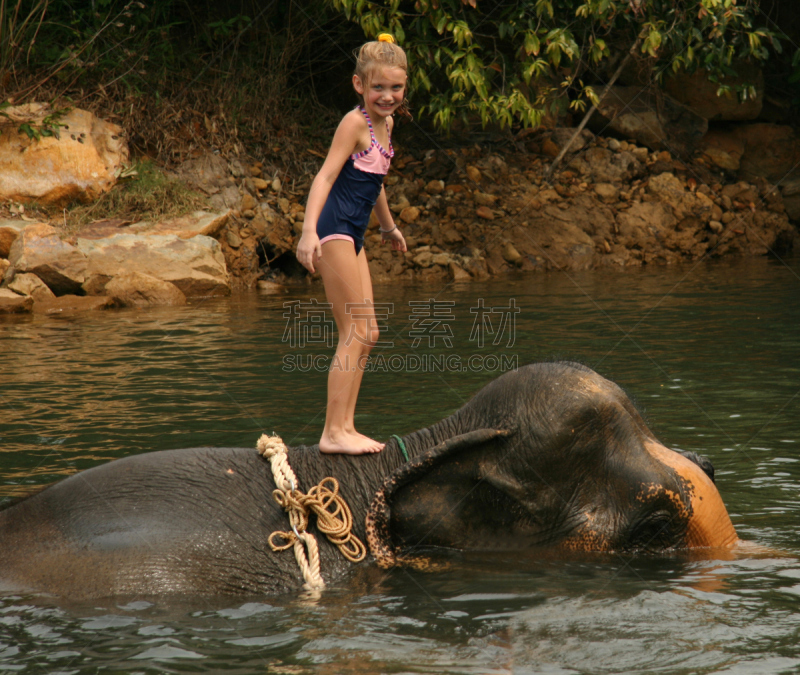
(309, 250)
(395, 237)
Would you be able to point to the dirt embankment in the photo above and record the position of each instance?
(470, 213)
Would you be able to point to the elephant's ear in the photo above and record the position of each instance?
(417, 471)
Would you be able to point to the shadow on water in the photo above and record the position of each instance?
(710, 353)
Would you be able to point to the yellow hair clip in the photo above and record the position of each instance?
(385, 37)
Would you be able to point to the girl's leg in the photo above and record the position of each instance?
(368, 314)
(342, 273)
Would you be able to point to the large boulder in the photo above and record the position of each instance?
(195, 265)
(14, 303)
(199, 222)
(80, 163)
(697, 92)
(40, 251)
(771, 151)
(651, 118)
(9, 231)
(133, 289)
(790, 191)
(30, 284)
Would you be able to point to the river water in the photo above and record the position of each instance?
(710, 353)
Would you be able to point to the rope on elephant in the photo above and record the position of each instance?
(334, 518)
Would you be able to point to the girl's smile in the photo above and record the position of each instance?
(384, 92)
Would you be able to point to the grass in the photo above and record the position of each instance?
(148, 194)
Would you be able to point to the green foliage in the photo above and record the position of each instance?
(49, 126)
(510, 62)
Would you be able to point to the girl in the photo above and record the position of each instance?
(344, 192)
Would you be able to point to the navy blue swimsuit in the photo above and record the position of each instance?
(354, 193)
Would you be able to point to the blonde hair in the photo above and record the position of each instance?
(382, 53)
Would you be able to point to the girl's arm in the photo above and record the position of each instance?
(389, 231)
(345, 142)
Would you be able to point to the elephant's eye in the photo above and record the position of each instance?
(655, 531)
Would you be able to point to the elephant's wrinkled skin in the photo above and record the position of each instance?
(549, 456)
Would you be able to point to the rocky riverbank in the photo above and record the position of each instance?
(468, 214)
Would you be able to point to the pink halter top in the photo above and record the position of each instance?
(374, 159)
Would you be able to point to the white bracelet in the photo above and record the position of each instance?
(388, 231)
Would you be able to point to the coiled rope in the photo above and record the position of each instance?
(334, 518)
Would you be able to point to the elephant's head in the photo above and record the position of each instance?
(550, 455)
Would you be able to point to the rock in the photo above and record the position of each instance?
(511, 254)
(699, 94)
(40, 251)
(607, 192)
(645, 223)
(614, 144)
(209, 173)
(423, 259)
(457, 273)
(723, 149)
(603, 166)
(473, 173)
(716, 226)
(483, 198)
(790, 192)
(451, 235)
(400, 203)
(73, 303)
(236, 168)
(209, 224)
(269, 287)
(771, 151)
(81, 164)
(9, 231)
(435, 187)
(498, 165)
(5, 266)
(670, 190)
(30, 284)
(409, 214)
(195, 265)
(276, 185)
(134, 289)
(652, 119)
(14, 303)
(560, 136)
(260, 184)
(440, 259)
(484, 212)
(550, 148)
(248, 202)
(233, 239)
(226, 199)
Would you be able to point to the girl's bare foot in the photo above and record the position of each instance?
(349, 444)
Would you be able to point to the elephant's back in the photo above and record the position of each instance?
(167, 521)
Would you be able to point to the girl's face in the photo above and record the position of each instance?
(383, 92)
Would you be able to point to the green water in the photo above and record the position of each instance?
(711, 353)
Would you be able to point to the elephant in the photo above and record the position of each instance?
(550, 457)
